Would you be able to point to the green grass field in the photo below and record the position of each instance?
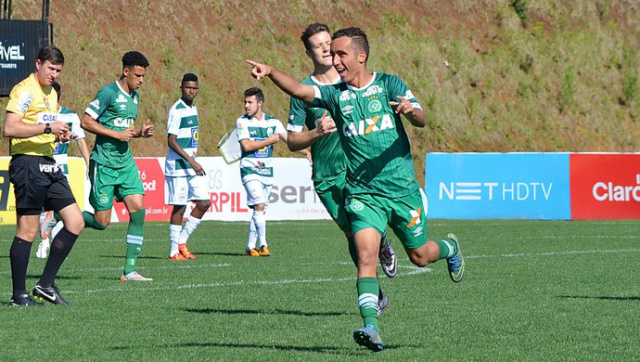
(534, 291)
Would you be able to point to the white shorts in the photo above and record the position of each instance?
(179, 190)
(257, 193)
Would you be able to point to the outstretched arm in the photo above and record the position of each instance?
(289, 85)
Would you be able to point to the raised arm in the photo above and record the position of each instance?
(289, 85)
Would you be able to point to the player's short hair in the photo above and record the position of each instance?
(358, 39)
(52, 54)
(312, 30)
(134, 58)
(55, 85)
(189, 77)
(255, 91)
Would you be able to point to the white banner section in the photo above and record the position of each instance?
(292, 195)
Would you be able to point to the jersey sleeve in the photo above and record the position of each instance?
(279, 127)
(173, 122)
(297, 115)
(20, 100)
(325, 97)
(396, 87)
(76, 128)
(100, 103)
(242, 129)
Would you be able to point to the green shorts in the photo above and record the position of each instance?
(405, 215)
(332, 195)
(107, 183)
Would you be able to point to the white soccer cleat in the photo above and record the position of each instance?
(43, 249)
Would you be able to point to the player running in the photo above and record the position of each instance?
(381, 185)
(112, 169)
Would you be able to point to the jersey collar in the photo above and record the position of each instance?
(375, 75)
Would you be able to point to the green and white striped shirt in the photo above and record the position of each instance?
(183, 123)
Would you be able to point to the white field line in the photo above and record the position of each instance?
(413, 270)
(554, 253)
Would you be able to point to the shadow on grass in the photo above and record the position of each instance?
(219, 254)
(58, 277)
(140, 257)
(624, 299)
(333, 350)
(277, 311)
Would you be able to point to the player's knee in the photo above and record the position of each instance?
(98, 226)
(418, 259)
(204, 205)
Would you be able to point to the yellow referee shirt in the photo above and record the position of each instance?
(36, 105)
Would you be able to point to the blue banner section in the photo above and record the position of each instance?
(498, 186)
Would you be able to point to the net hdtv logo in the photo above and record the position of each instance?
(605, 186)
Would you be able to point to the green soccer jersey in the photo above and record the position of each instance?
(372, 135)
(328, 157)
(114, 109)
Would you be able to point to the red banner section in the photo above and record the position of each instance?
(605, 186)
(152, 176)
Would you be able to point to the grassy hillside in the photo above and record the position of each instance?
(493, 75)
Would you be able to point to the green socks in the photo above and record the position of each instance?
(91, 222)
(135, 237)
(368, 300)
(448, 248)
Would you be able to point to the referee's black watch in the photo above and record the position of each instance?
(47, 128)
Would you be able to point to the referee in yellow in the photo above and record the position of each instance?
(31, 123)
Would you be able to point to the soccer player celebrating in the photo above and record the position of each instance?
(184, 179)
(112, 169)
(31, 123)
(381, 185)
(60, 154)
(329, 163)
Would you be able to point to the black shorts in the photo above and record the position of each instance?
(38, 183)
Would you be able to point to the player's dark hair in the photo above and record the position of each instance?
(358, 39)
(189, 77)
(55, 85)
(255, 92)
(312, 30)
(52, 54)
(134, 58)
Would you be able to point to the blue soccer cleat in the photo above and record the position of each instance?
(456, 263)
(368, 337)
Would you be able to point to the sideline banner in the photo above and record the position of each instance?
(292, 195)
(77, 182)
(605, 186)
(498, 185)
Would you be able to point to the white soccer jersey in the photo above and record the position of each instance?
(183, 123)
(256, 165)
(61, 153)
